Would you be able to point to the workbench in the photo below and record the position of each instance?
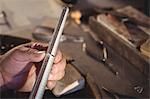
(121, 84)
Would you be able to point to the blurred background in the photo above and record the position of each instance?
(106, 39)
(23, 13)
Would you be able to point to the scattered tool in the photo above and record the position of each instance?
(115, 95)
(4, 16)
(43, 33)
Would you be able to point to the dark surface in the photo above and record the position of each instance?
(125, 70)
(84, 93)
(123, 83)
(8, 42)
(122, 48)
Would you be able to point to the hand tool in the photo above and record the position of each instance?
(41, 81)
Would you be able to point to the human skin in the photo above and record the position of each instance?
(19, 67)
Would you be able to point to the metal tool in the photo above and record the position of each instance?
(104, 59)
(5, 18)
(44, 34)
(40, 84)
(110, 68)
(111, 94)
(115, 95)
(139, 89)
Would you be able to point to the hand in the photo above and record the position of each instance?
(19, 66)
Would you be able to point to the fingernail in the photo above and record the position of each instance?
(40, 52)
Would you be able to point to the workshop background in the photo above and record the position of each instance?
(107, 41)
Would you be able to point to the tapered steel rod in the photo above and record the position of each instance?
(41, 81)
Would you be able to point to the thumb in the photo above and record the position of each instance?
(25, 54)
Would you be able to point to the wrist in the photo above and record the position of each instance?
(2, 83)
(3, 86)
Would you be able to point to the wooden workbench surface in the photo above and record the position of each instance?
(122, 84)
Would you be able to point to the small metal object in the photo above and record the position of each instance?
(40, 84)
(110, 68)
(3, 47)
(104, 58)
(139, 89)
(104, 54)
(116, 95)
(124, 20)
(4, 16)
(113, 95)
(71, 38)
(84, 47)
(42, 33)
